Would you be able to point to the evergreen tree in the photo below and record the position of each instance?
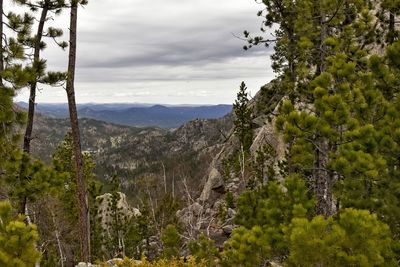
(243, 118)
(117, 227)
(243, 126)
(38, 180)
(139, 230)
(388, 13)
(38, 65)
(63, 160)
(17, 240)
(13, 76)
(356, 238)
(204, 250)
(171, 242)
(262, 216)
(341, 115)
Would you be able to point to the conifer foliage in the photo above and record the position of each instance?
(17, 240)
(339, 119)
(243, 121)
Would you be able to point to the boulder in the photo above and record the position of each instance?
(122, 205)
(231, 213)
(84, 264)
(214, 184)
(228, 229)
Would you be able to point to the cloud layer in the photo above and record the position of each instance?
(162, 51)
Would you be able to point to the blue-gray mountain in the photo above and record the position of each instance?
(139, 115)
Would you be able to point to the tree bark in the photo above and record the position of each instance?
(32, 96)
(81, 186)
(392, 29)
(1, 43)
(322, 47)
(322, 180)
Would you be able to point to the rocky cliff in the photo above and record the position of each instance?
(210, 212)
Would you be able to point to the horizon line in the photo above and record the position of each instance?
(128, 103)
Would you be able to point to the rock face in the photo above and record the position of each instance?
(122, 206)
(264, 134)
(216, 185)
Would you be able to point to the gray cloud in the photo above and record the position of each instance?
(146, 47)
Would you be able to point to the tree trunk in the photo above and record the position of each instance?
(322, 48)
(81, 186)
(392, 29)
(1, 43)
(322, 180)
(292, 74)
(32, 96)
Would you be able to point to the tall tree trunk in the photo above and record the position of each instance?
(32, 96)
(81, 186)
(392, 29)
(321, 175)
(291, 64)
(322, 180)
(322, 47)
(31, 109)
(1, 43)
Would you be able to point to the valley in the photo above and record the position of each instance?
(136, 153)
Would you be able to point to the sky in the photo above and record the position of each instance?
(160, 51)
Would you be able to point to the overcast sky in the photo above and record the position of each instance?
(161, 51)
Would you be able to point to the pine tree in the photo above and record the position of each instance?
(38, 64)
(13, 76)
(171, 242)
(262, 216)
(204, 250)
(139, 230)
(118, 223)
(243, 126)
(64, 162)
(389, 11)
(17, 240)
(340, 121)
(355, 238)
(243, 120)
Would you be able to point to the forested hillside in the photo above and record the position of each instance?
(305, 173)
(133, 154)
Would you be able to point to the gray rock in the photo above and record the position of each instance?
(196, 208)
(114, 262)
(122, 205)
(275, 264)
(236, 180)
(153, 239)
(153, 244)
(228, 229)
(83, 264)
(214, 182)
(231, 213)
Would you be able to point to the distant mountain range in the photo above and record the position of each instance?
(139, 115)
